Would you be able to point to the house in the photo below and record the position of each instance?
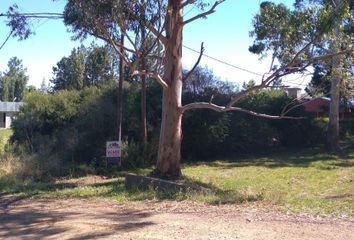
(320, 107)
(8, 111)
(293, 92)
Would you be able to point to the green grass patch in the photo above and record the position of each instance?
(5, 135)
(299, 181)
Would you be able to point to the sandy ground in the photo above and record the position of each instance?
(33, 218)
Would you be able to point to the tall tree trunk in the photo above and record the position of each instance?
(143, 98)
(169, 153)
(120, 94)
(332, 141)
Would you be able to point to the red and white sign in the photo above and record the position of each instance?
(113, 149)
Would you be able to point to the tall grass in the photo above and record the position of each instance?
(5, 135)
(15, 168)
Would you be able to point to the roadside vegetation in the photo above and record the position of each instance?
(5, 135)
(306, 181)
(57, 144)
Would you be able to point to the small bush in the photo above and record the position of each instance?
(347, 127)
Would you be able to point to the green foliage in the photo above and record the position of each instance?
(98, 66)
(301, 180)
(320, 84)
(67, 127)
(209, 134)
(284, 32)
(5, 135)
(91, 17)
(280, 30)
(347, 127)
(84, 67)
(13, 81)
(67, 130)
(19, 24)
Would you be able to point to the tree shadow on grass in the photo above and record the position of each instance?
(207, 191)
(221, 196)
(304, 158)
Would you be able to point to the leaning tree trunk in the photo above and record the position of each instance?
(169, 153)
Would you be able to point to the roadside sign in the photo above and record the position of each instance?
(113, 152)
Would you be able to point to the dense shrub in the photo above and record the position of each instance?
(208, 134)
(347, 127)
(67, 127)
(67, 130)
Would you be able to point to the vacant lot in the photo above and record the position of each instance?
(301, 181)
(294, 195)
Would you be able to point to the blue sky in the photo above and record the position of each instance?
(225, 35)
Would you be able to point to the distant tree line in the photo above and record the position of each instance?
(84, 67)
(13, 81)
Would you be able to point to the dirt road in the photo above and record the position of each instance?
(32, 218)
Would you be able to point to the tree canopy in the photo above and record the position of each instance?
(13, 81)
(84, 67)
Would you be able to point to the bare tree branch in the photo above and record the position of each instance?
(295, 103)
(292, 67)
(7, 39)
(217, 108)
(288, 69)
(196, 64)
(204, 14)
(157, 32)
(302, 50)
(153, 75)
(188, 2)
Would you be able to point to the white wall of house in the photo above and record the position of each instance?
(8, 119)
(8, 112)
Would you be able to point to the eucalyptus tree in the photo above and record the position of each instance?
(317, 28)
(337, 41)
(164, 20)
(340, 15)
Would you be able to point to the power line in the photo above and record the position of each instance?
(225, 63)
(237, 67)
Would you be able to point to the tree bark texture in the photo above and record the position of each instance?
(120, 94)
(332, 141)
(169, 152)
(143, 99)
(143, 110)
